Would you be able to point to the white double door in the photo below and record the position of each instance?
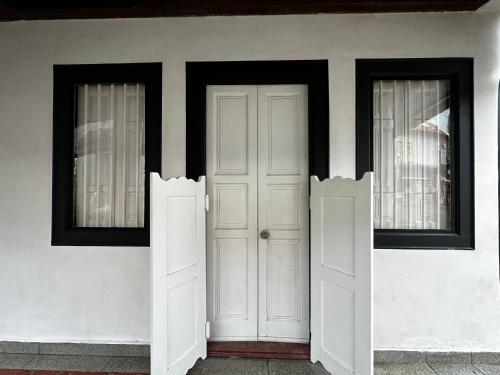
(257, 181)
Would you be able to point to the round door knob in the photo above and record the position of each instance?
(264, 234)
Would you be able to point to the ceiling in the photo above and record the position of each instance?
(74, 9)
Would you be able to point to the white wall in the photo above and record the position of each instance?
(423, 299)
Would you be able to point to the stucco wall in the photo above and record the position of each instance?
(423, 299)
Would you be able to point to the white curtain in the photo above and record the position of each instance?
(109, 156)
(411, 139)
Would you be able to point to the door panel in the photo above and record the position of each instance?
(231, 258)
(283, 276)
(341, 269)
(232, 221)
(283, 179)
(178, 274)
(257, 177)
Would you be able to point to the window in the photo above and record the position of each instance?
(411, 152)
(414, 130)
(107, 138)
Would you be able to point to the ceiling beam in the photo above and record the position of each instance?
(33, 10)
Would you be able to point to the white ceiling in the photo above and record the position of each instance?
(491, 6)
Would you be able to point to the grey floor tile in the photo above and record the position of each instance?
(282, 367)
(128, 364)
(450, 357)
(403, 369)
(454, 369)
(399, 356)
(488, 369)
(15, 360)
(197, 368)
(121, 350)
(68, 362)
(19, 347)
(492, 358)
(230, 366)
(76, 349)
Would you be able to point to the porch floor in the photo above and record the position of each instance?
(44, 364)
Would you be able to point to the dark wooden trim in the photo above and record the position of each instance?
(460, 73)
(65, 79)
(313, 73)
(33, 10)
(258, 349)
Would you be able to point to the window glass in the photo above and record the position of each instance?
(412, 154)
(109, 156)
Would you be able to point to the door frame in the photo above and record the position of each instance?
(313, 73)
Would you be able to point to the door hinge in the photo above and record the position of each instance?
(207, 330)
(207, 205)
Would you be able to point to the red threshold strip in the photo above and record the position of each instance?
(258, 349)
(56, 372)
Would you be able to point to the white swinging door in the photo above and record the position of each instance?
(178, 274)
(341, 274)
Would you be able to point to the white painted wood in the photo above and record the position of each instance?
(232, 219)
(251, 192)
(341, 274)
(283, 178)
(178, 274)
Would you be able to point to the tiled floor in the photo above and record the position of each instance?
(237, 366)
(50, 364)
(72, 363)
(436, 369)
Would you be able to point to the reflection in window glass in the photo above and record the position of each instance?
(109, 159)
(412, 154)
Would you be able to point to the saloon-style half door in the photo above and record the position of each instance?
(341, 274)
(178, 274)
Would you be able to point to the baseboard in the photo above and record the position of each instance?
(106, 350)
(408, 356)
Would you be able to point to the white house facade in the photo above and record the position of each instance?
(425, 298)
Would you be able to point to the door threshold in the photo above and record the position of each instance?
(258, 349)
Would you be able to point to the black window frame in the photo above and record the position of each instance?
(459, 71)
(66, 77)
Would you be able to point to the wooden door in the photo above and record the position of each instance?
(283, 209)
(257, 179)
(232, 221)
(178, 274)
(341, 274)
